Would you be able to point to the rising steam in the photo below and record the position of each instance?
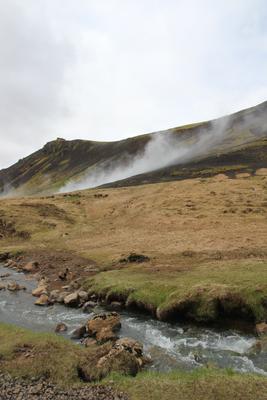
(163, 149)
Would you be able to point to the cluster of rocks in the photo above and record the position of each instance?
(71, 295)
(124, 355)
(11, 389)
(11, 286)
(30, 267)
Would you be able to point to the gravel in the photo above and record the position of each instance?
(17, 389)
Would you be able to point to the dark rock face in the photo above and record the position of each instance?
(15, 389)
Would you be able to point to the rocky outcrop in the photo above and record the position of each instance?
(104, 326)
(125, 356)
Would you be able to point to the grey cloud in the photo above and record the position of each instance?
(33, 64)
(109, 69)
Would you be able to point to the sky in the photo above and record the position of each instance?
(110, 69)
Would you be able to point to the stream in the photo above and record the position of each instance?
(171, 346)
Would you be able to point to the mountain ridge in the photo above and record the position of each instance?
(58, 162)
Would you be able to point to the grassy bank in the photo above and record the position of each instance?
(204, 292)
(26, 355)
(200, 385)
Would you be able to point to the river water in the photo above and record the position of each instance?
(171, 346)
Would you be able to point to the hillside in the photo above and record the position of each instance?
(234, 143)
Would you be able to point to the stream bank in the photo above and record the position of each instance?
(171, 346)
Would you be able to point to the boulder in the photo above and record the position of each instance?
(102, 321)
(71, 300)
(89, 342)
(131, 345)
(30, 267)
(89, 306)
(43, 300)
(115, 306)
(14, 287)
(61, 296)
(120, 361)
(39, 291)
(79, 333)
(261, 329)
(83, 296)
(61, 327)
(2, 286)
(54, 296)
(105, 335)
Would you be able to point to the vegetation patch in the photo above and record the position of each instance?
(8, 230)
(207, 293)
(203, 384)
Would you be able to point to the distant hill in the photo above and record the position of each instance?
(236, 143)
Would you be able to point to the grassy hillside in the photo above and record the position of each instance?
(242, 146)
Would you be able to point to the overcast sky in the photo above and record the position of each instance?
(109, 69)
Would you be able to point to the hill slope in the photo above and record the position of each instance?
(234, 143)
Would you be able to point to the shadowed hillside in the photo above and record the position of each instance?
(227, 145)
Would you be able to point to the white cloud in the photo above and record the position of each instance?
(109, 69)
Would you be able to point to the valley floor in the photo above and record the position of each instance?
(205, 240)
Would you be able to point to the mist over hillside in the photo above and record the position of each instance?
(188, 151)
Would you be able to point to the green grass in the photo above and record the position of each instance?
(25, 354)
(203, 384)
(240, 287)
(50, 356)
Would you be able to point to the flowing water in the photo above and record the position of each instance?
(171, 346)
